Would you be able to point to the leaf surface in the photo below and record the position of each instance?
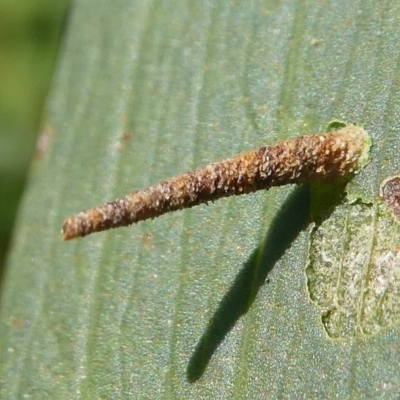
(210, 302)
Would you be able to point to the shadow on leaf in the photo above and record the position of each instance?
(284, 229)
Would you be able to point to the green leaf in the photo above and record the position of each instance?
(211, 302)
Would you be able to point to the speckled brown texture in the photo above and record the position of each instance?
(303, 159)
(390, 192)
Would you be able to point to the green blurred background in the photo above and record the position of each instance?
(30, 35)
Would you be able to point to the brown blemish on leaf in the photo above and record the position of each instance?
(16, 322)
(126, 136)
(308, 158)
(390, 192)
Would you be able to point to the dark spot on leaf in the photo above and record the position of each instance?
(390, 192)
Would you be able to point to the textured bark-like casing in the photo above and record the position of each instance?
(304, 159)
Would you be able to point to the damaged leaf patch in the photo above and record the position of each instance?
(354, 269)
